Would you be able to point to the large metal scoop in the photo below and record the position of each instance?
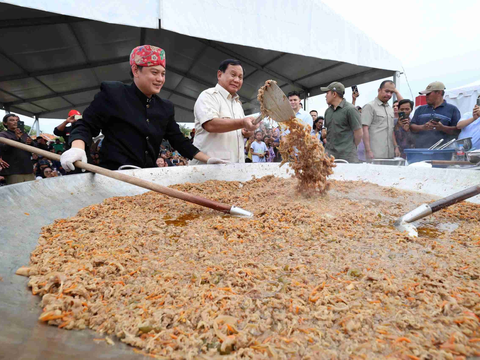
(232, 210)
(274, 103)
(404, 223)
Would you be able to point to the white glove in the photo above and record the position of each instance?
(213, 160)
(70, 156)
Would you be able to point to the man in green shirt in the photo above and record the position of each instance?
(344, 127)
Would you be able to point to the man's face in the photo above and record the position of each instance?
(12, 123)
(395, 108)
(150, 79)
(406, 109)
(433, 97)
(385, 93)
(232, 79)
(41, 140)
(294, 102)
(314, 115)
(329, 96)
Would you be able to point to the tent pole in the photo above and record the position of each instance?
(395, 82)
(35, 127)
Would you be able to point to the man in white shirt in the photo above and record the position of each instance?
(470, 126)
(294, 98)
(219, 116)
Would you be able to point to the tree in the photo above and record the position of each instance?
(185, 131)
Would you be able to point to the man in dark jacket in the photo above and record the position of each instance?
(15, 164)
(133, 119)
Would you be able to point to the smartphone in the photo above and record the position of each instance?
(21, 125)
(478, 101)
(355, 88)
(78, 117)
(401, 115)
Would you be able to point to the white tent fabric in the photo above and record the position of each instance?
(144, 13)
(464, 97)
(303, 27)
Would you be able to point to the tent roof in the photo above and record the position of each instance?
(465, 90)
(52, 63)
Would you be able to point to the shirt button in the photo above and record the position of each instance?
(146, 138)
(146, 152)
(148, 106)
(148, 120)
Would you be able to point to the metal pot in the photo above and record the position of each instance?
(466, 142)
(474, 156)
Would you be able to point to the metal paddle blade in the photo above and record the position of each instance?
(403, 226)
(404, 223)
(275, 102)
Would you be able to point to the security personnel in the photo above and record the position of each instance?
(133, 119)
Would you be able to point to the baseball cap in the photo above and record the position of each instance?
(434, 86)
(73, 113)
(335, 86)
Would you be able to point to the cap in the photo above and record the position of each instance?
(147, 55)
(335, 86)
(435, 86)
(73, 113)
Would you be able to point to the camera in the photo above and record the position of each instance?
(355, 89)
(21, 125)
(401, 115)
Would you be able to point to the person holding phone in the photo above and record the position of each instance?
(15, 164)
(435, 121)
(65, 128)
(470, 125)
(403, 136)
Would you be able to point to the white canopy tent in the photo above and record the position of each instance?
(464, 97)
(55, 54)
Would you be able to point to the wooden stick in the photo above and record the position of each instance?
(125, 178)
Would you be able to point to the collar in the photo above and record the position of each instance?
(225, 93)
(441, 105)
(141, 95)
(381, 103)
(340, 105)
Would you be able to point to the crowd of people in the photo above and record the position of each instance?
(130, 125)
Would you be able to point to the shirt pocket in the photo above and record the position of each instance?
(225, 113)
(380, 120)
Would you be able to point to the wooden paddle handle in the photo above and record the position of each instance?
(455, 198)
(125, 178)
(258, 119)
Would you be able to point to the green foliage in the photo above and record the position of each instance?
(185, 131)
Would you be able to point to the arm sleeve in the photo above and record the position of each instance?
(59, 133)
(206, 108)
(354, 119)
(367, 115)
(414, 119)
(178, 141)
(456, 116)
(95, 118)
(3, 147)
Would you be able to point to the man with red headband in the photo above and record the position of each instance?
(133, 119)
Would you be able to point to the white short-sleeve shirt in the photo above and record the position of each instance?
(218, 103)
